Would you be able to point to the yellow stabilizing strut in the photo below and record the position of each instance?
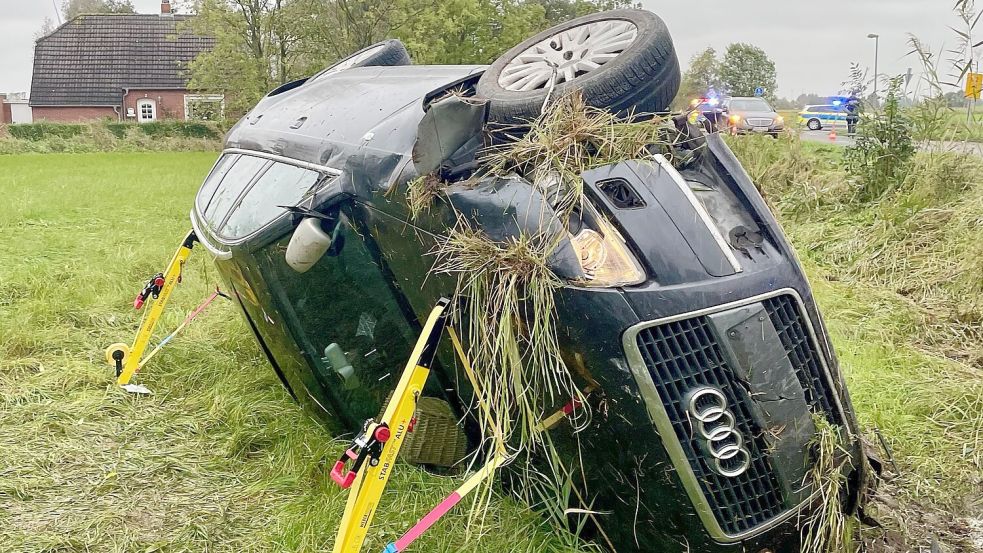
(380, 442)
(127, 359)
(379, 445)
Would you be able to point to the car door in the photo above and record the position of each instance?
(338, 328)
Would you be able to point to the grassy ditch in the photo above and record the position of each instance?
(900, 283)
(220, 459)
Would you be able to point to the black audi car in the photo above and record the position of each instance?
(706, 350)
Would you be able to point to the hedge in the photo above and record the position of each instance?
(184, 129)
(40, 131)
(118, 129)
(156, 129)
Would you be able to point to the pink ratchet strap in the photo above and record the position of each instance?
(181, 326)
(469, 485)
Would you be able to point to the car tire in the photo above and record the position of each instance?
(814, 125)
(642, 78)
(386, 53)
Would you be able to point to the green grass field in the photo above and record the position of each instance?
(220, 459)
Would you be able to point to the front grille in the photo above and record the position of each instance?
(684, 355)
(801, 351)
(760, 122)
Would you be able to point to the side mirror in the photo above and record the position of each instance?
(308, 244)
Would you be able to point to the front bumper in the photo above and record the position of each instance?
(744, 128)
(644, 466)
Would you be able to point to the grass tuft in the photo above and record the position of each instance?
(420, 194)
(826, 528)
(571, 137)
(507, 292)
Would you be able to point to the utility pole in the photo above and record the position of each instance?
(877, 48)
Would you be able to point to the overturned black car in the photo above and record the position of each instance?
(701, 334)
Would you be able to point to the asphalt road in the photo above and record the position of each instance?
(842, 139)
(823, 136)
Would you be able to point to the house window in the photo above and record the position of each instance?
(146, 110)
(204, 107)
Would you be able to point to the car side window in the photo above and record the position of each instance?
(236, 178)
(281, 184)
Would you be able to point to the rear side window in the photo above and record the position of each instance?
(234, 180)
(281, 184)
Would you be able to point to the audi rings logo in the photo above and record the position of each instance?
(719, 437)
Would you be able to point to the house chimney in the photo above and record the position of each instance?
(165, 7)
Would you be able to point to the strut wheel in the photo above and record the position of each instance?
(117, 353)
(622, 60)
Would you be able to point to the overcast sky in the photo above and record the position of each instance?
(812, 43)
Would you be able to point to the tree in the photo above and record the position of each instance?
(883, 150)
(784, 103)
(72, 8)
(470, 31)
(810, 99)
(745, 68)
(956, 99)
(261, 44)
(478, 31)
(246, 61)
(558, 11)
(47, 26)
(703, 74)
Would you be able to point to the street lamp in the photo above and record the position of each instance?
(877, 47)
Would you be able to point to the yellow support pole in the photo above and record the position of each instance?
(367, 484)
(130, 358)
(370, 481)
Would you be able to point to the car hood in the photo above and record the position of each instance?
(338, 118)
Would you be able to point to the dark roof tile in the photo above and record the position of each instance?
(90, 59)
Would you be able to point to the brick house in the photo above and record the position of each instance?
(130, 67)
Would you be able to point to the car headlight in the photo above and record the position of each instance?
(603, 253)
(780, 120)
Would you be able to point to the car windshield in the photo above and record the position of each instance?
(750, 104)
(232, 181)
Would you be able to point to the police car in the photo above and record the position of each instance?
(816, 118)
(707, 112)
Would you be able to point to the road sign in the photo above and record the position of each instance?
(759, 91)
(974, 85)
